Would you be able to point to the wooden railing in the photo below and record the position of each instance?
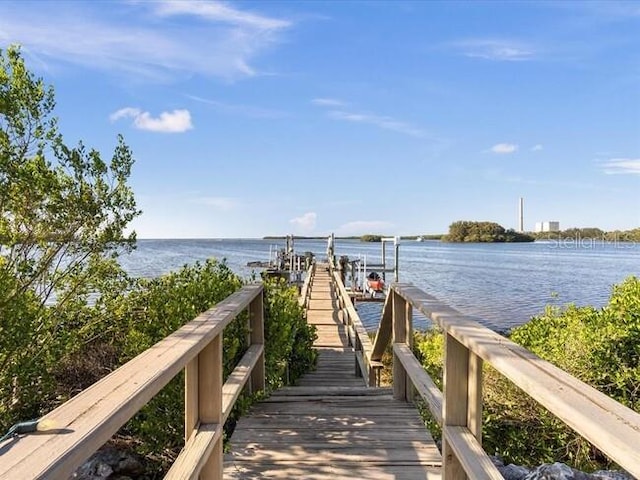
(610, 426)
(359, 339)
(87, 421)
(305, 292)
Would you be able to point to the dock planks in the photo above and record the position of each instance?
(330, 425)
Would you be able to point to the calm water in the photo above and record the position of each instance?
(502, 285)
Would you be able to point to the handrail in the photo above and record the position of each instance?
(87, 421)
(305, 292)
(607, 424)
(358, 336)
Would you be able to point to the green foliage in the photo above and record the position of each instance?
(290, 338)
(599, 346)
(68, 312)
(590, 233)
(63, 213)
(486, 232)
(371, 238)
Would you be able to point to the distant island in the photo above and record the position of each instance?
(483, 232)
(491, 232)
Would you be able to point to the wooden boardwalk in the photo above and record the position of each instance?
(331, 426)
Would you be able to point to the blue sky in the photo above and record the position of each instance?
(257, 118)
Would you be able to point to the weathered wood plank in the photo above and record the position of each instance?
(421, 381)
(344, 471)
(475, 462)
(195, 453)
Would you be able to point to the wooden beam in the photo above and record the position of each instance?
(195, 452)
(475, 462)
(454, 411)
(256, 319)
(210, 402)
(190, 398)
(241, 373)
(421, 380)
(400, 335)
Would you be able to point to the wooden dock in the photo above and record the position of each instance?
(331, 426)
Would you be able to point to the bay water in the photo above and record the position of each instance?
(500, 285)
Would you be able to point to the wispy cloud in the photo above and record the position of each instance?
(153, 44)
(504, 148)
(217, 12)
(361, 227)
(177, 121)
(328, 102)
(630, 166)
(496, 50)
(336, 110)
(386, 123)
(305, 223)
(243, 110)
(537, 148)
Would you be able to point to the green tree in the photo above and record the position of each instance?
(487, 232)
(63, 216)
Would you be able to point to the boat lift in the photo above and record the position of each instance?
(360, 269)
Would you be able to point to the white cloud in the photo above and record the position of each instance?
(218, 12)
(622, 166)
(362, 227)
(305, 223)
(328, 102)
(177, 121)
(386, 123)
(244, 110)
(504, 148)
(536, 148)
(497, 50)
(152, 44)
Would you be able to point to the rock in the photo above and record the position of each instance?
(112, 464)
(556, 471)
(611, 475)
(511, 471)
(514, 472)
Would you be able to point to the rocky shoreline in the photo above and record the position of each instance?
(115, 464)
(555, 471)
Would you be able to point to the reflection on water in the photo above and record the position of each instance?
(503, 285)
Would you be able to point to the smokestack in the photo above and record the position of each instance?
(521, 216)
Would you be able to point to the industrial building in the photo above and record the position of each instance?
(547, 227)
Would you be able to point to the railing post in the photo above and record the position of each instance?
(190, 398)
(399, 336)
(409, 341)
(474, 397)
(210, 402)
(256, 329)
(462, 405)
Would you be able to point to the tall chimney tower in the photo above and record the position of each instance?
(521, 215)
